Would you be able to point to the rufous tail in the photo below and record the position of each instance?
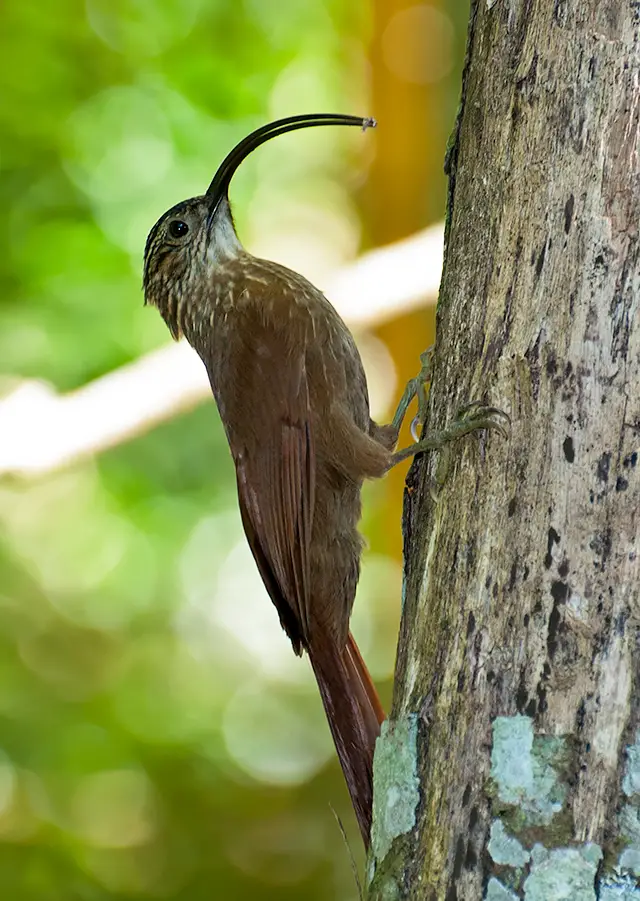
(355, 715)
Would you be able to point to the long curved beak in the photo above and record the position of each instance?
(220, 184)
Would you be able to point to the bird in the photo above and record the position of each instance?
(292, 395)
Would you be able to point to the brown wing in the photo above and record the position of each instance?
(275, 490)
(263, 395)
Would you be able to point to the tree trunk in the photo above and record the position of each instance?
(510, 765)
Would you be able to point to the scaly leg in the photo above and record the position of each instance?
(469, 419)
(415, 387)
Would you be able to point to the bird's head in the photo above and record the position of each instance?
(193, 237)
(184, 244)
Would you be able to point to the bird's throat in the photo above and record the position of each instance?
(223, 243)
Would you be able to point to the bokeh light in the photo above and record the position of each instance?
(418, 44)
(142, 27)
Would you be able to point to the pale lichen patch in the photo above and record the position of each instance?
(511, 762)
(618, 888)
(630, 860)
(396, 789)
(496, 891)
(629, 826)
(563, 873)
(522, 768)
(629, 823)
(505, 850)
(631, 778)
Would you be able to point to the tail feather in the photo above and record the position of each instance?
(355, 714)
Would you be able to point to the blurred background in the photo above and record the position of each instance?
(158, 738)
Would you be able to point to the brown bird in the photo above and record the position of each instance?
(292, 394)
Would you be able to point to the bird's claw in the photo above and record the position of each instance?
(477, 416)
(470, 418)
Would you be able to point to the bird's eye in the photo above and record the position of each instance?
(178, 228)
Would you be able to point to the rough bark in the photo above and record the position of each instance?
(510, 766)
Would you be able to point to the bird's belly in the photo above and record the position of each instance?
(336, 546)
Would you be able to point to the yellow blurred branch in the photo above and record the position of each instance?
(41, 430)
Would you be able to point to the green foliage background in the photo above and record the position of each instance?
(146, 751)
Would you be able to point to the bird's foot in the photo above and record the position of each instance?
(470, 418)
